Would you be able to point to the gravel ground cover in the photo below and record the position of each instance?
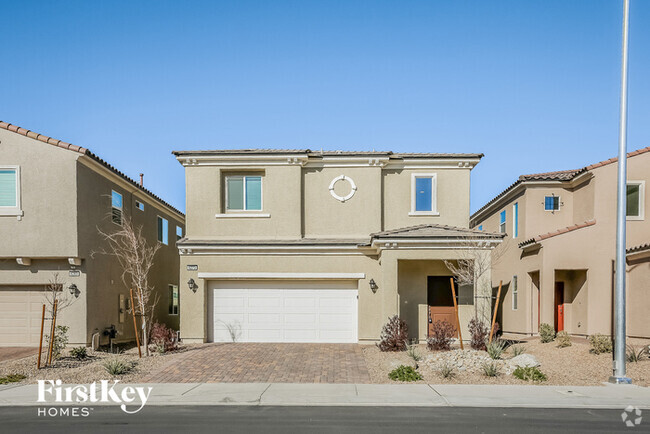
(573, 365)
(70, 370)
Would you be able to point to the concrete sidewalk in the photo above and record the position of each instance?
(416, 395)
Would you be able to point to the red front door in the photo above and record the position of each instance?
(559, 306)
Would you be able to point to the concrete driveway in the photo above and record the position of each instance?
(266, 363)
(13, 353)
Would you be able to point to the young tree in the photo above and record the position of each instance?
(136, 257)
(57, 291)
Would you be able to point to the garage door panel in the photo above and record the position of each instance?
(286, 311)
(20, 315)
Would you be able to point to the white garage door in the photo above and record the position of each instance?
(283, 311)
(20, 315)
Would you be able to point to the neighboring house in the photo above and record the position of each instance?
(302, 246)
(557, 262)
(53, 198)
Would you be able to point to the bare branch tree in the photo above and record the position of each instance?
(136, 257)
(55, 291)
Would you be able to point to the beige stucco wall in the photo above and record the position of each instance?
(638, 297)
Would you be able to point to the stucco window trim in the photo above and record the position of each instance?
(434, 195)
(641, 215)
(559, 203)
(242, 215)
(13, 211)
(515, 293)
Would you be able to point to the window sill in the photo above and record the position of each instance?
(242, 215)
(12, 212)
(423, 213)
(634, 218)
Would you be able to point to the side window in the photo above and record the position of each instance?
(10, 191)
(423, 194)
(139, 205)
(173, 299)
(515, 293)
(480, 227)
(163, 230)
(179, 233)
(515, 220)
(244, 193)
(635, 200)
(116, 207)
(502, 222)
(551, 203)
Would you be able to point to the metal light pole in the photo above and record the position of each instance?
(619, 292)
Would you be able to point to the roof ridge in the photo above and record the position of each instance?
(557, 232)
(84, 151)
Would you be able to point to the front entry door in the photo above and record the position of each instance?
(440, 301)
(559, 306)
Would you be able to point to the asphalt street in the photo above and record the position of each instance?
(268, 419)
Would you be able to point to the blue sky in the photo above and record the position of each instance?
(532, 84)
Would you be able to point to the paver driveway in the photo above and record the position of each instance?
(266, 363)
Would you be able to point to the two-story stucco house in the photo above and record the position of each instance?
(53, 198)
(557, 261)
(303, 246)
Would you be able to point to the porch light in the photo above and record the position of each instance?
(192, 285)
(74, 290)
(373, 286)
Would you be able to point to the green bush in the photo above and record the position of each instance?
(529, 373)
(79, 353)
(600, 343)
(546, 333)
(12, 378)
(117, 366)
(518, 350)
(563, 339)
(60, 340)
(404, 373)
(496, 348)
(490, 369)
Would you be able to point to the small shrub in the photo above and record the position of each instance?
(634, 354)
(546, 333)
(490, 369)
(563, 339)
(496, 348)
(447, 370)
(394, 335)
(518, 350)
(163, 338)
(60, 340)
(600, 343)
(529, 373)
(479, 333)
(79, 353)
(412, 352)
(441, 336)
(117, 366)
(404, 373)
(12, 378)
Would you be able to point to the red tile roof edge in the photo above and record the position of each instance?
(637, 249)
(561, 231)
(84, 151)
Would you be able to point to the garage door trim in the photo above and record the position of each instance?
(300, 276)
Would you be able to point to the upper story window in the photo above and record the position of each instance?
(243, 193)
(480, 227)
(502, 222)
(116, 207)
(10, 191)
(423, 194)
(179, 232)
(139, 205)
(163, 230)
(551, 203)
(515, 220)
(635, 200)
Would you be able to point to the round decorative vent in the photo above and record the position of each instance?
(353, 188)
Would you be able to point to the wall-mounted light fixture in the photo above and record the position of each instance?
(192, 285)
(74, 290)
(373, 286)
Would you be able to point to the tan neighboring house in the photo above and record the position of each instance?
(557, 261)
(53, 197)
(303, 246)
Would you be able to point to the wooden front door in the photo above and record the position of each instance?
(559, 306)
(440, 301)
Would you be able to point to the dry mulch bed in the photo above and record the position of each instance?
(70, 370)
(573, 365)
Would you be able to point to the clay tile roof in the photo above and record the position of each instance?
(637, 249)
(84, 151)
(561, 231)
(434, 231)
(560, 175)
